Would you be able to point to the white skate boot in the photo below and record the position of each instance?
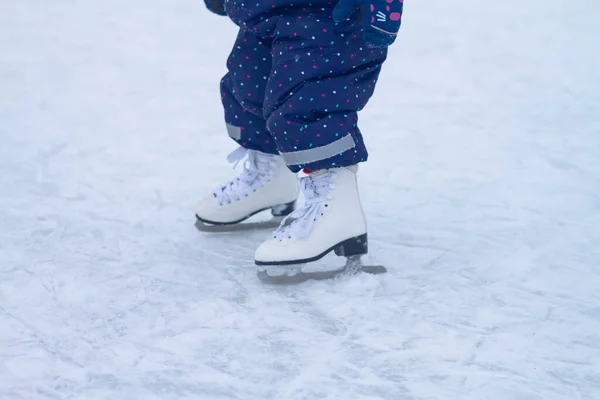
(265, 183)
(332, 219)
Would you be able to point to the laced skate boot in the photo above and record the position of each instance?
(265, 183)
(331, 219)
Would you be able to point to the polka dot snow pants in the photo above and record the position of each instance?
(295, 84)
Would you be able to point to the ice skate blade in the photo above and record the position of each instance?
(278, 212)
(301, 276)
(238, 227)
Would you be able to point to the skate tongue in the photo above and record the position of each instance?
(315, 188)
(318, 172)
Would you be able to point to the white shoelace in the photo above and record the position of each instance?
(257, 169)
(316, 191)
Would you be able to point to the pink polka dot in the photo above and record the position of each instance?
(372, 8)
(395, 16)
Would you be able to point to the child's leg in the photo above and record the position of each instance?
(322, 75)
(243, 92)
(265, 182)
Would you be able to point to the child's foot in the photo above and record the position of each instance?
(332, 219)
(265, 183)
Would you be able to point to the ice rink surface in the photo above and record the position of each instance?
(482, 193)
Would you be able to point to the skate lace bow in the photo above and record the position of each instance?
(257, 168)
(315, 189)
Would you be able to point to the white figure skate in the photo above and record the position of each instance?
(331, 220)
(265, 183)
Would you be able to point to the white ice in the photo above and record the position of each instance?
(482, 192)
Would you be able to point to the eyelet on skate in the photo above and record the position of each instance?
(326, 205)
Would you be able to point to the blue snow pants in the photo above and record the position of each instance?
(296, 81)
